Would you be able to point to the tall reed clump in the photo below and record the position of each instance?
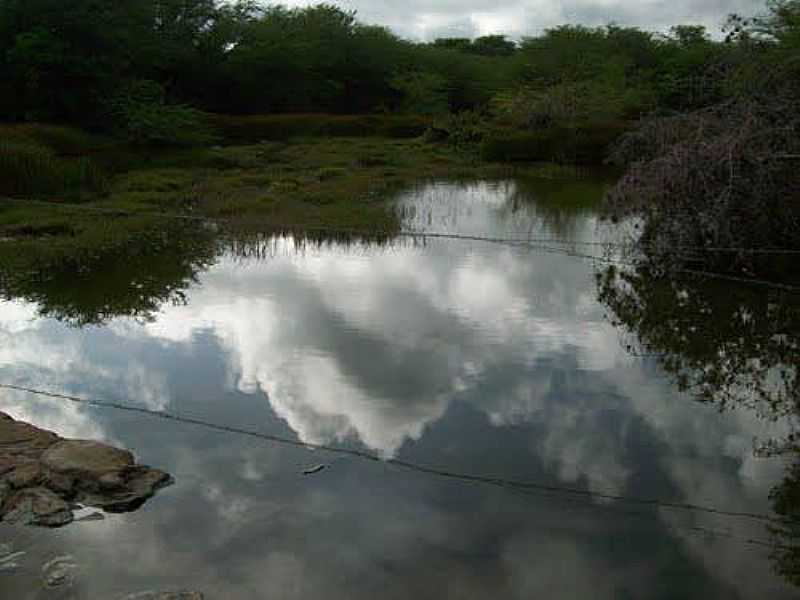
(30, 169)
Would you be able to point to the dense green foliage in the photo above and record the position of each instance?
(244, 58)
(189, 72)
(230, 58)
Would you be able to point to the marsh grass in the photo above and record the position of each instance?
(38, 160)
(30, 169)
(334, 183)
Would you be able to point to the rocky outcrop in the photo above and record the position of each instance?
(44, 478)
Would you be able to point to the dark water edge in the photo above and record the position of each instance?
(521, 439)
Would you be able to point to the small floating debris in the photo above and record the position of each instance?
(315, 469)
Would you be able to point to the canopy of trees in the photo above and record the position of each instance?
(69, 62)
(66, 63)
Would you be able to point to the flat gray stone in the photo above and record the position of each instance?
(82, 457)
(42, 476)
(37, 506)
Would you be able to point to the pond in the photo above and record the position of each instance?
(432, 417)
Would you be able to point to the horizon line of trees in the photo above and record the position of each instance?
(75, 63)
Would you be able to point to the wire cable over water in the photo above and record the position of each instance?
(547, 245)
(505, 238)
(466, 477)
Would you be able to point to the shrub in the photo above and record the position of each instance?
(725, 176)
(570, 104)
(583, 145)
(465, 130)
(422, 92)
(141, 114)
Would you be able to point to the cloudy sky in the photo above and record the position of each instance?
(428, 19)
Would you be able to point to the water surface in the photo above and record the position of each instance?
(467, 358)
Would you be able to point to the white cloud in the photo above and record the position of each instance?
(427, 19)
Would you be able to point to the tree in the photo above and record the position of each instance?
(724, 175)
(492, 45)
(89, 283)
(729, 345)
(89, 50)
(462, 44)
(785, 499)
(80, 52)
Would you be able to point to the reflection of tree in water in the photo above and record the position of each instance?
(260, 245)
(554, 201)
(785, 499)
(727, 344)
(90, 284)
(558, 204)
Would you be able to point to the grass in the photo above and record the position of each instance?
(340, 183)
(335, 182)
(302, 183)
(30, 169)
(38, 160)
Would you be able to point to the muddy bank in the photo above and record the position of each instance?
(44, 478)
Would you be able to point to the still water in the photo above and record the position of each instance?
(450, 361)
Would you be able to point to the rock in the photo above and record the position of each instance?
(27, 474)
(59, 572)
(59, 482)
(6, 465)
(91, 517)
(86, 459)
(23, 440)
(42, 476)
(37, 506)
(5, 492)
